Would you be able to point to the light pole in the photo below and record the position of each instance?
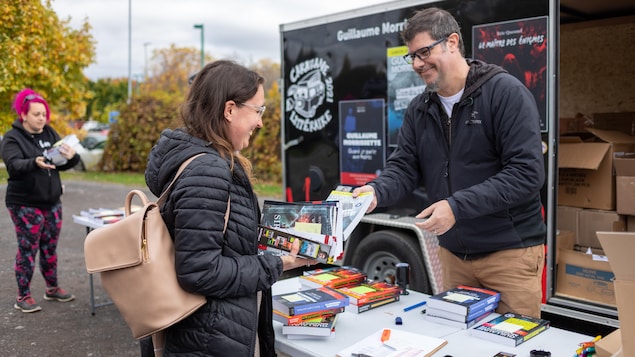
(200, 27)
(145, 63)
(129, 50)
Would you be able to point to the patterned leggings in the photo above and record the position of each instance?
(36, 229)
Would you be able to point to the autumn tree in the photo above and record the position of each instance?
(42, 52)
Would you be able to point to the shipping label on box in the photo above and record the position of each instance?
(583, 278)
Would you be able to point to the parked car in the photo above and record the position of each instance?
(90, 151)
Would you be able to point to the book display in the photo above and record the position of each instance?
(319, 326)
(334, 277)
(312, 300)
(310, 316)
(464, 299)
(460, 324)
(358, 309)
(510, 329)
(370, 291)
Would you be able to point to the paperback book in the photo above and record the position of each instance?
(460, 317)
(103, 215)
(314, 327)
(296, 319)
(370, 291)
(358, 309)
(317, 221)
(460, 324)
(333, 277)
(305, 301)
(464, 299)
(353, 209)
(510, 329)
(279, 242)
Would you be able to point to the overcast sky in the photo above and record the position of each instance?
(243, 29)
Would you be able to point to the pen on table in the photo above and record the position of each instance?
(414, 306)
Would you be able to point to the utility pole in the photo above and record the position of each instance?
(129, 51)
(200, 27)
(145, 63)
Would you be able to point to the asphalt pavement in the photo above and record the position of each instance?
(64, 329)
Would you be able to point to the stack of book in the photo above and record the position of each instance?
(334, 277)
(510, 329)
(321, 226)
(370, 294)
(462, 306)
(309, 313)
(103, 216)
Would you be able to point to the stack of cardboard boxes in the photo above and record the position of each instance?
(596, 192)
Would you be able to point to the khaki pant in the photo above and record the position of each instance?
(516, 273)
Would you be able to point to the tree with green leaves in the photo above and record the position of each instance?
(40, 51)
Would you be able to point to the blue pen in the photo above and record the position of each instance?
(414, 306)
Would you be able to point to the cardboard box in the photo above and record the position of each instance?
(630, 223)
(619, 248)
(609, 345)
(583, 278)
(591, 221)
(620, 121)
(625, 184)
(567, 219)
(564, 240)
(586, 169)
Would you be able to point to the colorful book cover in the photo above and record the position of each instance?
(460, 317)
(310, 217)
(335, 277)
(464, 299)
(291, 320)
(314, 327)
(460, 324)
(279, 242)
(358, 309)
(369, 291)
(305, 301)
(510, 329)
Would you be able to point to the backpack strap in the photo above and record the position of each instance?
(167, 191)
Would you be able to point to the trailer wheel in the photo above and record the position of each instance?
(379, 252)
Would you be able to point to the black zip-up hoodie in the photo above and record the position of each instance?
(30, 185)
(488, 163)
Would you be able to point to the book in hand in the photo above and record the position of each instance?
(279, 242)
(296, 319)
(460, 317)
(334, 277)
(305, 301)
(370, 291)
(353, 209)
(510, 329)
(358, 309)
(464, 299)
(391, 343)
(460, 324)
(313, 327)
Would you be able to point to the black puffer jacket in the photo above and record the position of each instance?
(225, 268)
(489, 165)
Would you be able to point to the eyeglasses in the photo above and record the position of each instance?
(422, 53)
(260, 110)
(30, 97)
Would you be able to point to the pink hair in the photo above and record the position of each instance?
(22, 103)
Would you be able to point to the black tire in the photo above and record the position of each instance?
(379, 252)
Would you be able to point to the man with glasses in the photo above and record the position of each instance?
(473, 140)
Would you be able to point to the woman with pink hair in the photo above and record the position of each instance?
(33, 195)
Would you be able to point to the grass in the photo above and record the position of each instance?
(264, 189)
